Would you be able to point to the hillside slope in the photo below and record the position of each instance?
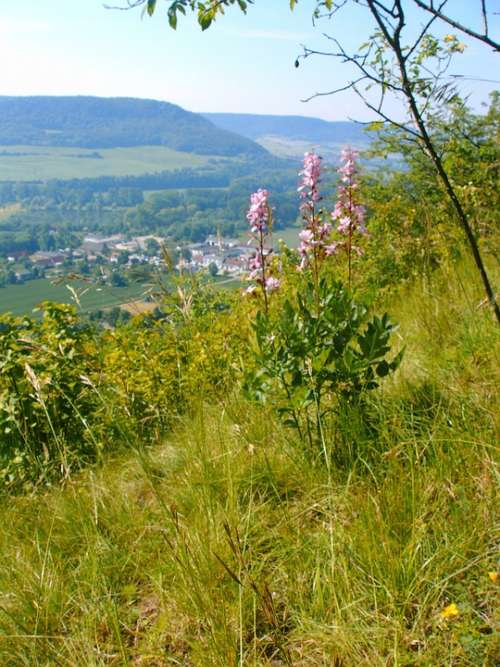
(95, 122)
(301, 128)
(228, 543)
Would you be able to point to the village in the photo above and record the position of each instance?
(113, 255)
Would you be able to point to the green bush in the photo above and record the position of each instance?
(316, 352)
(45, 401)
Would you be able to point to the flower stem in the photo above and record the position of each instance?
(349, 246)
(263, 269)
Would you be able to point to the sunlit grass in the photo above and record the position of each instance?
(227, 544)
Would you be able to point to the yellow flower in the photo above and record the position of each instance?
(451, 611)
(493, 576)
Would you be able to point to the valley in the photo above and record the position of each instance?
(73, 168)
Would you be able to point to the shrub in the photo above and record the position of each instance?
(45, 405)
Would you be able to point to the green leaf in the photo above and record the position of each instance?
(172, 18)
(205, 20)
(151, 7)
(383, 368)
(397, 359)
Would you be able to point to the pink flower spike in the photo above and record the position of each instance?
(306, 235)
(331, 249)
(272, 284)
(311, 175)
(259, 219)
(258, 213)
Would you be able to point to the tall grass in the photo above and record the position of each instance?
(225, 544)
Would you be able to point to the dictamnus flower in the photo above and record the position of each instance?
(314, 245)
(258, 213)
(311, 176)
(259, 217)
(348, 214)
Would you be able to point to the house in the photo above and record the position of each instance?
(216, 241)
(211, 259)
(49, 258)
(237, 264)
(94, 243)
(21, 276)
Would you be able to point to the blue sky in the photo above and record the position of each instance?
(242, 64)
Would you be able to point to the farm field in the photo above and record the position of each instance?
(286, 147)
(46, 162)
(22, 299)
(289, 235)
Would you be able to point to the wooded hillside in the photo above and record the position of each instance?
(95, 122)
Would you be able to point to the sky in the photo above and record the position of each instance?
(242, 64)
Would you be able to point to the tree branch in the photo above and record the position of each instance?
(395, 43)
(483, 37)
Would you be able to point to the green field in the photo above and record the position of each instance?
(46, 162)
(289, 235)
(295, 148)
(21, 299)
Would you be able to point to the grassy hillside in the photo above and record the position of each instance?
(31, 163)
(225, 543)
(95, 122)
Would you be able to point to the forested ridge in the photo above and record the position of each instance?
(95, 122)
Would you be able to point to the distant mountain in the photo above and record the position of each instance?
(95, 122)
(297, 128)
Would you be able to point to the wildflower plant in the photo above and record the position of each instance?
(319, 350)
(260, 219)
(349, 213)
(314, 237)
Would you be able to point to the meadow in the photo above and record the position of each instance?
(22, 299)
(46, 162)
